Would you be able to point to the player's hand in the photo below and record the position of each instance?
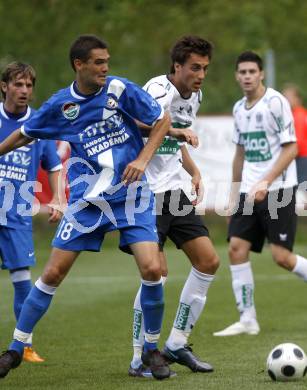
(185, 135)
(258, 192)
(197, 189)
(134, 171)
(55, 210)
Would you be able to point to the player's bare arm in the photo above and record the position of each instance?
(57, 203)
(287, 155)
(135, 169)
(14, 141)
(145, 129)
(184, 135)
(192, 169)
(237, 167)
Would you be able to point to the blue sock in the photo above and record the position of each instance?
(17, 346)
(34, 307)
(153, 306)
(21, 290)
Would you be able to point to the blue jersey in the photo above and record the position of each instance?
(101, 131)
(18, 171)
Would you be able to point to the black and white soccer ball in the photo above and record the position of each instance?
(287, 362)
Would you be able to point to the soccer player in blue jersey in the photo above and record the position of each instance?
(18, 171)
(108, 189)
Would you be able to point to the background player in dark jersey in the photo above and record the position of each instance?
(17, 169)
(96, 116)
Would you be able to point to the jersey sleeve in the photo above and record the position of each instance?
(43, 124)
(282, 119)
(158, 92)
(50, 159)
(141, 105)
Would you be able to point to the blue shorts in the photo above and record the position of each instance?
(16, 248)
(84, 229)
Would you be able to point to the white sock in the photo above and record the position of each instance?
(30, 339)
(192, 302)
(243, 287)
(138, 329)
(21, 275)
(300, 268)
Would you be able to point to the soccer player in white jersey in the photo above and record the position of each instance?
(179, 93)
(264, 165)
(95, 114)
(17, 169)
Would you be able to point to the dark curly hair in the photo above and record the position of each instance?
(187, 45)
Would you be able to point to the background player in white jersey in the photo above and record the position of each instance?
(96, 115)
(16, 170)
(264, 163)
(179, 93)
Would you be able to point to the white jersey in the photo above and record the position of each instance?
(262, 130)
(163, 171)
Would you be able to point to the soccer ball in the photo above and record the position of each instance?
(287, 362)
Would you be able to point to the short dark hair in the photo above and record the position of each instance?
(81, 47)
(187, 45)
(249, 56)
(14, 69)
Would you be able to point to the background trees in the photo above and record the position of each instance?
(140, 33)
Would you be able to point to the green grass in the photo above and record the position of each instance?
(86, 335)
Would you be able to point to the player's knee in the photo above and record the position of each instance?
(235, 252)
(164, 270)
(282, 259)
(214, 263)
(232, 251)
(211, 264)
(53, 276)
(151, 272)
(208, 264)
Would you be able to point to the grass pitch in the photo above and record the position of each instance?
(86, 334)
